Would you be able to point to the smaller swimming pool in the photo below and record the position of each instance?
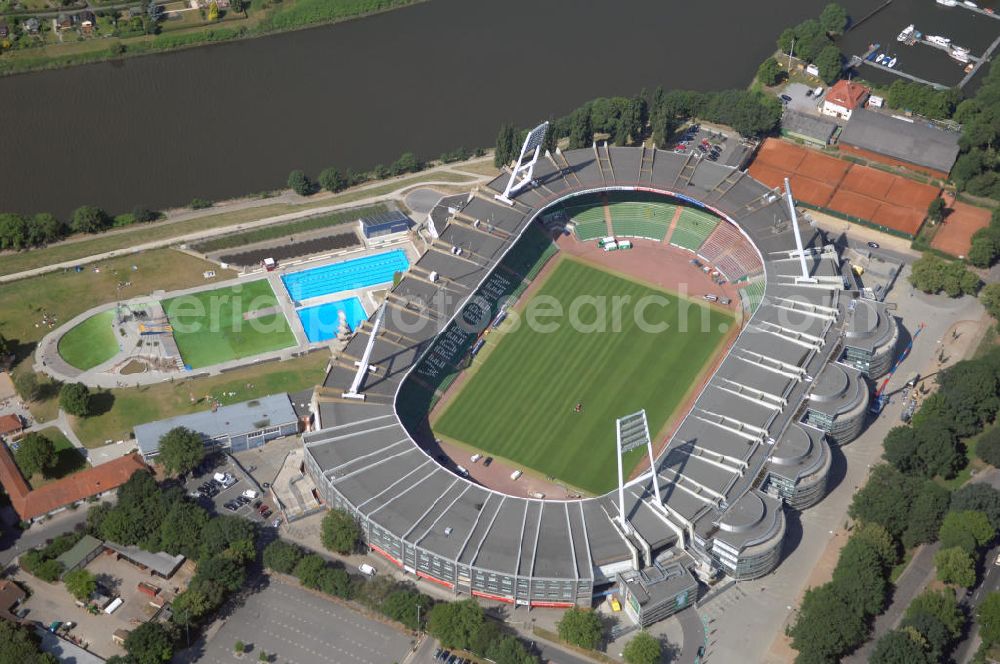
(322, 321)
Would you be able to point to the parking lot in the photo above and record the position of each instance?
(295, 626)
(228, 497)
(710, 143)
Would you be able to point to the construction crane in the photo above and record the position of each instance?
(878, 403)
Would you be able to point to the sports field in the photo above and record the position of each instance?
(228, 323)
(520, 403)
(90, 343)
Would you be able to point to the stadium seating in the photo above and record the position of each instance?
(752, 295)
(693, 228)
(588, 221)
(646, 220)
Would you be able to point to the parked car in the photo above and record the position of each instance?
(366, 569)
(874, 245)
(487, 461)
(786, 98)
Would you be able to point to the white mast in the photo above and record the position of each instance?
(805, 278)
(363, 366)
(522, 174)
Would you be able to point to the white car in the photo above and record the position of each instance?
(366, 569)
(997, 561)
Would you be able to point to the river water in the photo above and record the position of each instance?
(230, 119)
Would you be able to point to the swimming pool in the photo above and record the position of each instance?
(356, 273)
(322, 321)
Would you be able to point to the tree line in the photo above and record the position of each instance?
(977, 170)
(812, 41)
(19, 231)
(631, 120)
(901, 506)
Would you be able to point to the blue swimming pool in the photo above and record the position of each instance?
(322, 321)
(356, 273)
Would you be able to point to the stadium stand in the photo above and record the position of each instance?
(752, 296)
(693, 228)
(588, 221)
(721, 240)
(646, 220)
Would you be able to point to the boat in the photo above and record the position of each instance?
(969, 3)
(880, 58)
(939, 40)
(969, 68)
(948, 3)
(961, 56)
(871, 56)
(906, 33)
(960, 49)
(891, 63)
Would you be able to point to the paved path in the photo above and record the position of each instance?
(196, 236)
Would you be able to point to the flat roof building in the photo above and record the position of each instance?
(384, 223)
(239, 426)
(807, 128)
(80, 554)
(653, 593)
(912, 143)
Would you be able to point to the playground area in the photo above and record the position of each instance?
(893, 203)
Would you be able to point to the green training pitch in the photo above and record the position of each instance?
(520, 403)
(209, 327)
(90, 343)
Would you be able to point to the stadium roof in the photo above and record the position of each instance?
(232, 420)
(915, 141)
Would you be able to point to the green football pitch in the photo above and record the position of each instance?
(520, 404)
(209, 327)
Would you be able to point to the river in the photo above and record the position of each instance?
(230, 119)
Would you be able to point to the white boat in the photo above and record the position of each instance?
(969, 3)
(880, 58)
(960, 49)
(891, 63)
(939, 40)
(961, 56)
(948, 3)
(905, 34)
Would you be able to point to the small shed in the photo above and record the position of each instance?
(385, 223)
(159, 564)
(82, 553)
(120, 635)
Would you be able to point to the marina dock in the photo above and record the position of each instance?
(899, 72)
(978, 10)
(986, 57)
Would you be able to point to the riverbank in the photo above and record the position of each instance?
(117, 35)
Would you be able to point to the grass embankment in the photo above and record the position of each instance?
(284, 230)
(520, 402)
(187, 29)
(83, 247)
(215, 326)
(90, 343)
(137, 405)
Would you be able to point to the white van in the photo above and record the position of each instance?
(111, 608)
(366, 569)
(476, 457)
(515, 474)
(818, 92)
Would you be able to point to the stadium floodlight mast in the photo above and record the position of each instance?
(522, 174)
(805, 278)
(632, 432)
(363, 366)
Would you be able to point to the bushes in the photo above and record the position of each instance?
(42, 562)
(923, 99)
(976, 168)
(581, 627)
(934, 275)
(300, 183)
(340, 532)
(282, 557)
(770, 73)
(988, 447)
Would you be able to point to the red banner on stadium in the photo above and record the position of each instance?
(498, 598)
(386, 555)
(430, 578)
(554, 605)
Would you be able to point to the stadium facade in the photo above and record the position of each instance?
(756, 441)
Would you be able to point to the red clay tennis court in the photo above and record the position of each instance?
(888, 200)
(962, 221)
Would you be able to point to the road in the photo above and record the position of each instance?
(14, 542)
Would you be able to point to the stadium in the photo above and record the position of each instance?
(752, 440)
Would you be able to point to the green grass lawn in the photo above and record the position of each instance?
(209, 326)
(519, 404)
(91, 342)
(137, 405)
(68, 459)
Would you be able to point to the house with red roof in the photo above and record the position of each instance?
(10, 425)
(843, 98)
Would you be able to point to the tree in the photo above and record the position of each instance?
(898, 647)
(933, 633)
(833, 18)
(955, 566)
(282, 556)
(80, 583)
(770, 72)
(509, 650)
(44, 228)
(826, 628)
(140, 510)
(149, 643)
(309, 570)
(402, 605)
(988, 615)
(181, 450)
(180, 532)
(988, 447)
(990, 297)
(885, 499)
(581, 130)
(859, 577)
(935, 210)
(191, 605)
(926, 512)
(332, 180)
(934, 275)
(20, 644)
(340, 532)
(231, 536)
(830, 63)
(407, 163)
(224, 571)
(967, 529)
(642, 649)
(581, 627)
(879, 540)
(942, 605)
(978, 496)
(13, 231)
(300, 183)
(89, 219)
(455, 624)
(238, 6)
(213, 11)
(74, 398)
(35, 453)
(27, 385)
(504, 153)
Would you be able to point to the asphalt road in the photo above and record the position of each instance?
(297, 627)
(14, 542)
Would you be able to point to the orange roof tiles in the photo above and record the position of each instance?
(847, 94)
(10, 424)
